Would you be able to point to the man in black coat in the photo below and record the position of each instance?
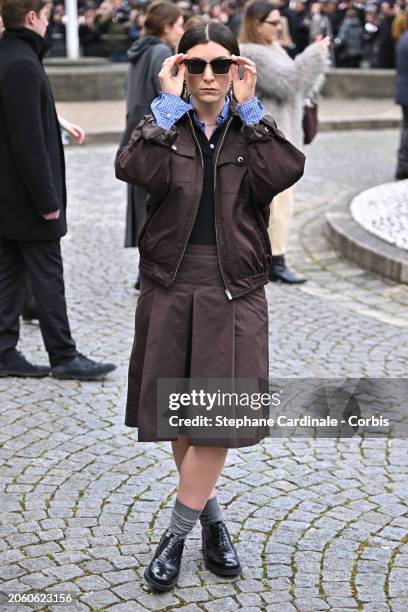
(32, 199)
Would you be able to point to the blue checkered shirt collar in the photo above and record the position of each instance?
(222, 117)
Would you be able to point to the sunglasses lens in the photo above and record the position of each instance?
(221, 66)
(195, 66)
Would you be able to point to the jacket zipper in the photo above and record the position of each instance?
(202, 165)
(227, 291)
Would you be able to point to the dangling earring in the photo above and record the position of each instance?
(231, 91)
(186, 93)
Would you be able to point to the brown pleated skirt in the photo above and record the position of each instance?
(191, 330)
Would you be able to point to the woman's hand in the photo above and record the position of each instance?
(169, 83)
(323, 44)
(244, 89)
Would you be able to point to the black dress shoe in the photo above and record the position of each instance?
(82, 368)
(17, 365)
(280, 272)
(220, 556)
(164, 569)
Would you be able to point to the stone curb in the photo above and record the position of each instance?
(327, 125)
(359, 123)
(367, 250)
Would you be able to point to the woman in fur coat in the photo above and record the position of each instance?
(283, 85)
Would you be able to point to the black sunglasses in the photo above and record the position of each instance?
(218, 66)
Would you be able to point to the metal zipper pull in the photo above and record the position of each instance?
(229, 296)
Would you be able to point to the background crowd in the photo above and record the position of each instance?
(363, 32)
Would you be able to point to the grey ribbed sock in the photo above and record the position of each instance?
(211, 512)
(183, 519)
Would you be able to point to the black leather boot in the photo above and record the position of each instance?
(280, 272)
(220, 556)
(163, 571)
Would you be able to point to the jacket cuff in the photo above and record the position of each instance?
(168, 109)
(264, 130)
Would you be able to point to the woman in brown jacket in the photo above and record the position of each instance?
(211, 163)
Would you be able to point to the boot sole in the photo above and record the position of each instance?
(159, 587)
(220, 572)
(78, 377)
(280, 280)
(81, 376)
(226, 572)
(4, 374)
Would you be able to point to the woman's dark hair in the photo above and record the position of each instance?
(255, 13)
(202, 33)
(160, 14)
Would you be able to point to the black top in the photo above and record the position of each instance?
(203, 231)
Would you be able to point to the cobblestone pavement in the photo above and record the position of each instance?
(320, 525)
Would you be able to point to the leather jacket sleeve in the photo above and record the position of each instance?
(274, 164)
(145, 160)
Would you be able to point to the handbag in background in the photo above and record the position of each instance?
(310, 120)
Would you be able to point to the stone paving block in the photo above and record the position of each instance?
(250, 600)
(251, 586)
(9, 556)
(39, 580)
(129, 606)
(65, 587)
(217, 605)
(11, 571)
(337, 589)
(311, 605)
(99, 599)
(120, 577)
(342, 602)
(399, 604)
(158, 601)
(65, 572)
(192, 594)
(123, 562)
(188, 579)
(398, 589)
(190, 608)
(92, 583)
(283, 607)
(77, 607)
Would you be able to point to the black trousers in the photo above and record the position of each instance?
(402, 166)
(41, 263)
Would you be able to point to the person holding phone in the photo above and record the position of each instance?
(211, 161)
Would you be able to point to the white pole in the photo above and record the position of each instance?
(72, 29)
